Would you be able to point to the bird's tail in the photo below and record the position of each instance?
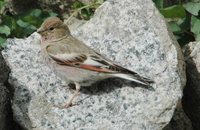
(134, 77)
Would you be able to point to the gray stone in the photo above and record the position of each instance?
(6, 118)
(191, 98)
(126, 32)
(4, 70)
(74, 23)
(4, 99)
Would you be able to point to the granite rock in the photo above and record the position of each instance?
(125, 33)
(6, 118)
(4, 70)
(191, 98)
(74, 23)
(4, 99)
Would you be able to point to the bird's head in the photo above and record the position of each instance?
(53, 28)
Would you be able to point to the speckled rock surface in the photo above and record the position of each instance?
(125, 33)
(74, 23)
(6, 117)
(191, 98)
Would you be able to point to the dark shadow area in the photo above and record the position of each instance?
(6, 118)
(10, 123)
(191, 93)
(179, 121)
(21, 6)
(109, 85)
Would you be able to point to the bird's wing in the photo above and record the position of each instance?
(92, 62)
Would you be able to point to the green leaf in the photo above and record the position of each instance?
(52, 14)
(36, 12)
(10, 22)
(5, 30)
(2, 41)
(2, 4)
(195, 26)
(174, 27)
(77, 4)
(28, 28)
(85, 13)
(32, 20)
(22, 23)
(176, 11)
(18, 32)
(197, 37)
(184, 23)
(101, 1)
(192, 7)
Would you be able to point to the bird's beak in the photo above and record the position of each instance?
(40, 30)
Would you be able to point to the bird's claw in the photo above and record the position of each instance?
(68, 105)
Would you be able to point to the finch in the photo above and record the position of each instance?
(75, 62)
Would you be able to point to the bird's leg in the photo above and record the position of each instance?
(69, 102)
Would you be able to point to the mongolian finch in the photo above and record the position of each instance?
(77, 63)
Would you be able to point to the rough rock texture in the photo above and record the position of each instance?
(125, 33)
(4, 70)
(3, 94)
(74, 23)
(6, 118)
(191, 98)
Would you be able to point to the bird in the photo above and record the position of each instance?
(75, 62)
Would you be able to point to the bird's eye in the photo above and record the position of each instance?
(51, 28)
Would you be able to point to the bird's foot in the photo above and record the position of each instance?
(72, 87)
(76, 93)
(67, 105)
